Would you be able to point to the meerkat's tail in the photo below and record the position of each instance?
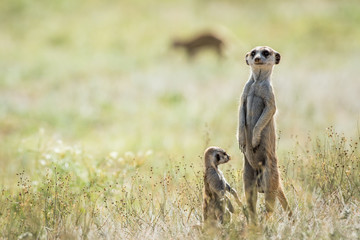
(229, 205)
(283, 201)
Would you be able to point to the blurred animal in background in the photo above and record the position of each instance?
(216, 205)
(199, 43)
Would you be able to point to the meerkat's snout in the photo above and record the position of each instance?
(227, 158)
(257, 60)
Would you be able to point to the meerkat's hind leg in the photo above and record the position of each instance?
(270, 197)
(251, 199)
(219, 215)
(205, 210)
(219, 209)
(250, 191)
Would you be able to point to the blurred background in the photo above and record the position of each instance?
(103, 75)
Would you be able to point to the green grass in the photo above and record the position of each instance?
(103, 125)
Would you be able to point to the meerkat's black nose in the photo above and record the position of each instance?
(257, 59)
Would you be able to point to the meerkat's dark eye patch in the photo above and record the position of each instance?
(217, 156)
(253, 53)
(265, 53)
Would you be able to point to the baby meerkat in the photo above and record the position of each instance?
(256, 133)
(216, 204)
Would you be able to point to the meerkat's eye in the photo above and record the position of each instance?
(253, 53)
(266, 53)
(217, 157)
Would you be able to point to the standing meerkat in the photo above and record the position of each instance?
(256, 133)
(216, 204)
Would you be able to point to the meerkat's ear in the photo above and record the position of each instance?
(277, 58)
(246, 58)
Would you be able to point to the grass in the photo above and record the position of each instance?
(68, 196)
(103, 125)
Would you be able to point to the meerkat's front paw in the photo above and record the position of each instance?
(256, 139)
(241, 140)
(242, 146)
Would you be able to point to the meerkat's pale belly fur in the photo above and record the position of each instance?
(254, 107)
(258, 157)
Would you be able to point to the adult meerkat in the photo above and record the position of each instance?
(256, 133)
(200, 42)
(217, 205)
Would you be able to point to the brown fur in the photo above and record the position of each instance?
(256, 133)
(200, 42)
(216, 205)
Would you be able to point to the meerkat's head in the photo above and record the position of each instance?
(215, 156)
(262, 57)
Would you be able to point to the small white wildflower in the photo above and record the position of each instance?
(66, 165)
(148, 153)
(113, 154)
(129, 155)
(35, 183)
(59, 141)
(57, 150)
(120, 160)
(109, 162)
(26, 235)
(47, 156)
(43, 162)
(98, 172)
(140, 154)
(78, 151)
